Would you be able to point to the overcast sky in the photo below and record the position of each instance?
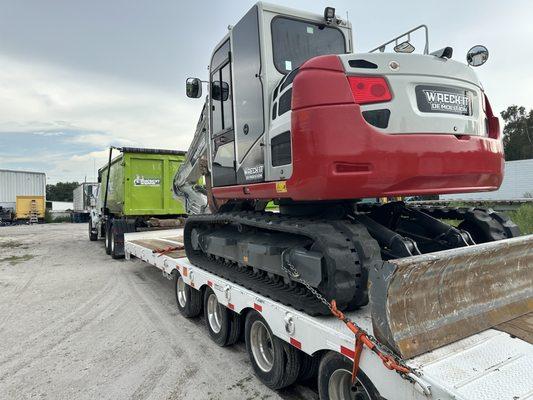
(77, 76)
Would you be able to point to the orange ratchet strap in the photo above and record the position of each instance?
(166, 250)
(362, 339)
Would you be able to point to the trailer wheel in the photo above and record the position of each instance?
(223, 325)
(93, 236)
(189, 300)
(335, 380)
(309, 367)
(275, 362)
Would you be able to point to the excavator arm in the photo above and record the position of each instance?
(186, 183)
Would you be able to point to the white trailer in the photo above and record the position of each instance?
(285, 345)
(84, 197)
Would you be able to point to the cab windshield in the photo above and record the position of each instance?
(294, 42)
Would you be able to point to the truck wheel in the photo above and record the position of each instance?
(275, 362)
(114, 250)
(93, 236)
(108, 239)
(335, 380)
(189, 300)
(223, 325)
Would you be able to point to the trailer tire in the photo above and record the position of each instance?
(222, 324)
(235, 328)
(309, 367)
(335, 377)
(275, 362)
(93, 236)
(189, 300)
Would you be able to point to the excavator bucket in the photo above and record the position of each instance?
(424, 302)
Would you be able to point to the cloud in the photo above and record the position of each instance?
(76, 113)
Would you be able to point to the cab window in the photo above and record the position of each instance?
(295, 41)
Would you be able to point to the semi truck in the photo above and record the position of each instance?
(377, 300)
(135, 194)
(84, 199)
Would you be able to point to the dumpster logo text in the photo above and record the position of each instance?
(142, 181)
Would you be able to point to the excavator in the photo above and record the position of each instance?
(294, 116)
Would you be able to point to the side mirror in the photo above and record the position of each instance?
(219, 90)
(193, 88)
(477, 56)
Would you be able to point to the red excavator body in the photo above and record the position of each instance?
(337, 154)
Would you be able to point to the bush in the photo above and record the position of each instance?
(47, 217)
(523, 217)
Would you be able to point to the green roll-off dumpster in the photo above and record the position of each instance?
(140, 192)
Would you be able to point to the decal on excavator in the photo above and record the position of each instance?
(253, 173)
(443, 100)
(281, 187)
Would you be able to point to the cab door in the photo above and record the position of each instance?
(222, 132)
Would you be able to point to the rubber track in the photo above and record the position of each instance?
(495, 225)
(335, 239)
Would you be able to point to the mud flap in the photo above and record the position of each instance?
(424, 302)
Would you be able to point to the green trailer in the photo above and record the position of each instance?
(135, 195)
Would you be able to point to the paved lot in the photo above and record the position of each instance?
(75, 324)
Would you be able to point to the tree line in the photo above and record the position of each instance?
(518, 133)
(61, 191)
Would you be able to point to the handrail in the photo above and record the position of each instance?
(381, 48)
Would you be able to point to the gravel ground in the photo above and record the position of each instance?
(75, 324)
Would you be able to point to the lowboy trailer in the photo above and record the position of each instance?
(286, 345)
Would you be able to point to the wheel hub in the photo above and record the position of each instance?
(340, 387)
(214, 313)
(182, 294)
(262, 346)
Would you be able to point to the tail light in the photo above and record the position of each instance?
(369, 89)
(493, 123)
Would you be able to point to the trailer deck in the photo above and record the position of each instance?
(489, 365)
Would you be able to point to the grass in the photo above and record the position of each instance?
(14, 260)
(523, 217)
(49, 219)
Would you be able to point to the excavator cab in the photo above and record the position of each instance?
(246, 66)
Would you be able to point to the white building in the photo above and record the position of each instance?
(20, 183)
(517, 184)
